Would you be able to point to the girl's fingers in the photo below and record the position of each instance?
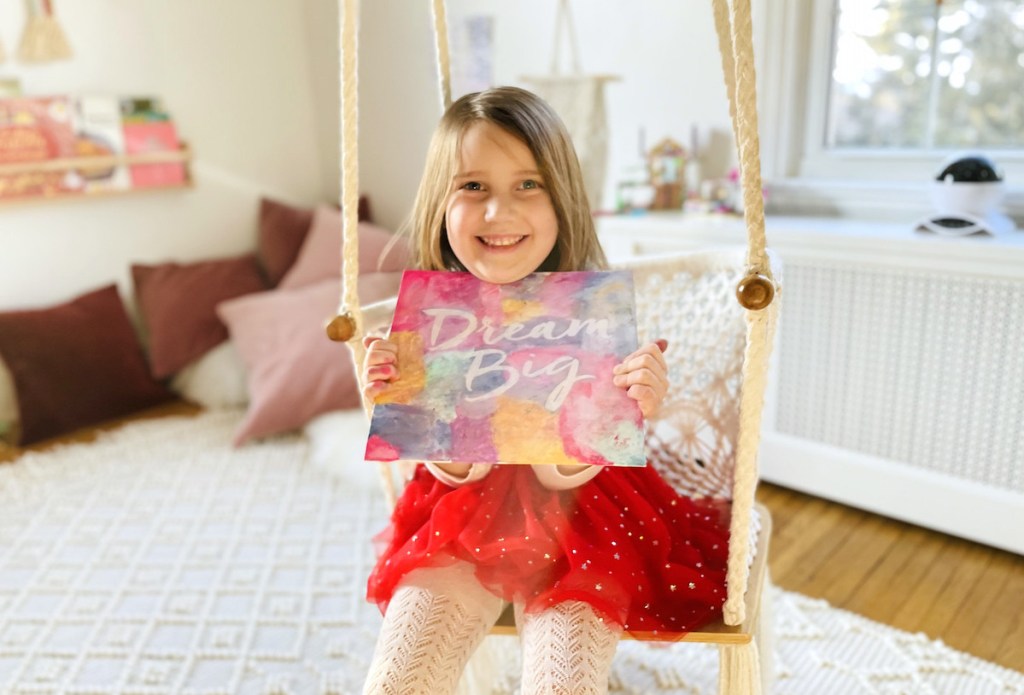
(381, 351)
(644, 375)
(382, 372)
(653, 378)
(647, 356)
(380, 366)
(647, 398)
(646, 366)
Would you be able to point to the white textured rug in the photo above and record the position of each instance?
(159, 560)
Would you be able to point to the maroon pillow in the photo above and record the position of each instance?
(75, 364)
(282, 229)
(178, 306)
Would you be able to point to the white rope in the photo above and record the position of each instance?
(746, 129)
(349, 301)
(444, 68)
(735, 40)
(350, 159)
(724, 30)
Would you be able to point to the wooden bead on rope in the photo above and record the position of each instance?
(755, 292)
(341, 328)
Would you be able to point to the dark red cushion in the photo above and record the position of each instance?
(177, 302)
(282, 229)
(75, 364)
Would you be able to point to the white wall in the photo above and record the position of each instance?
(665, 52)
(240, 85)
(399, 103)
(255, 93)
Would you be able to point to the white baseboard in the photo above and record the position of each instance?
(937, 501)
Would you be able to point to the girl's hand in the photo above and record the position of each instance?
(645, 376)
(380, 368)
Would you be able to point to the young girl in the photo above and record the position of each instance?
(584, 552)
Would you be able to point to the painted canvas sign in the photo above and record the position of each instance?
(516, 373)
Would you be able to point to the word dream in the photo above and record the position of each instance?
(515, 373)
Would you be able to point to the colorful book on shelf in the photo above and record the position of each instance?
(36, 129)
(516, 373)
(98, 133)
(148, 128)
(143, 110)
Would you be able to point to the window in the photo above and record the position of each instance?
(864, 98)
(927, 74)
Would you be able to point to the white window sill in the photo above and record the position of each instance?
(891, 201)
(818, 239)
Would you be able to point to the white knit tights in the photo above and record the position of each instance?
(435, 620)
(567, 650)
(438, 617)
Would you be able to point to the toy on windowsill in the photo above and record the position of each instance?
(966, 196)
(634, 193)
(666, 164)
(718, 196)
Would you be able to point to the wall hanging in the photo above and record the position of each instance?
(43, 40)
(579, 100)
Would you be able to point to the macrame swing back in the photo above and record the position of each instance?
(740, 412)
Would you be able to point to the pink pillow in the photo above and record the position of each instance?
(294, 371)
(177, 303)
(320, 256)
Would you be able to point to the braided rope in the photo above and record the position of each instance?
(349, 301)
(724, 30)
(760, 338)
(444, 68)
(735, 41)
(748, 141)
(350, 172)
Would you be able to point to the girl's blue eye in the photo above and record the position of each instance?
(530, 184)
(472, 186)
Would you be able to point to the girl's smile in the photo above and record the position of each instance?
(499, 216)
(502, 241)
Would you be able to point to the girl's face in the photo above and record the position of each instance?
(501, 223)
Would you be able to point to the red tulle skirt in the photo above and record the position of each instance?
(625, 542)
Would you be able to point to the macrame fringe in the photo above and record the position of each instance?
(43, 40)
(738, 670)
(764, 635)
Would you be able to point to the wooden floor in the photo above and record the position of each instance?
(968, 595)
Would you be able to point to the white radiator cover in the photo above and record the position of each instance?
(897, 383)
(917, 367)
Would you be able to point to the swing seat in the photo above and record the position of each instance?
(689, 300)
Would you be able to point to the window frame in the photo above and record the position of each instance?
(802, 176)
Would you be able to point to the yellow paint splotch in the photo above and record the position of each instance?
(527, 432)
(519, 310)
(412, 374)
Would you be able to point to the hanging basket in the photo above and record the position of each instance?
(43, 40)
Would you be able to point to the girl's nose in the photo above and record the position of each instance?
(498, 208)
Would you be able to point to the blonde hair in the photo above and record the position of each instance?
(529, 118)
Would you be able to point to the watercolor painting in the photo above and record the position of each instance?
(516, 373)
